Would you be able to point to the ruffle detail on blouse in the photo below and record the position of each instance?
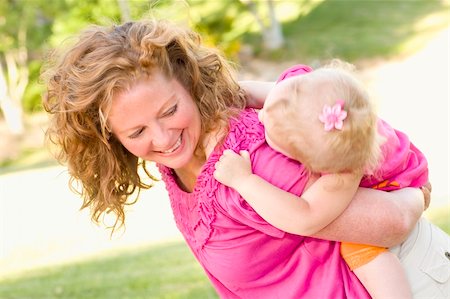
(195, 212)
(246, 133)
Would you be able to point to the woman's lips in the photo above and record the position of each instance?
(175, 147)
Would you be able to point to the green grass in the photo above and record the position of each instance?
(27, 151)
(440, 216)
(359, 30)
(28, 158)
(160, 271)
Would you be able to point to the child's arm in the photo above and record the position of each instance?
(316, 208)
(256, 92)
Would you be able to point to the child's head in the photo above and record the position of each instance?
(291, 116)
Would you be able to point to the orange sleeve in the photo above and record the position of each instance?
(356, 255)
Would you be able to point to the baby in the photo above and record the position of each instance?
(324, 119)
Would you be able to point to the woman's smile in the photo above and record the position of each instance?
(175, 147)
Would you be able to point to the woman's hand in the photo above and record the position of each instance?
(426, 190)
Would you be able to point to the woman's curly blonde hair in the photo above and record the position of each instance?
(106, 60)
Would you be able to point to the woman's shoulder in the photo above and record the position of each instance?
(245, 132)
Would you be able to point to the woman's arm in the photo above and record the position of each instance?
(377, 217)
(256, 92)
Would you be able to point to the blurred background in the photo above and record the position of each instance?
(50, 249)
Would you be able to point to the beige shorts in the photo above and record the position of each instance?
(425, 255)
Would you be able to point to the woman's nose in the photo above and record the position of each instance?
(160, 137)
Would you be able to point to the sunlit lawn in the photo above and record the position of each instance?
(440, 216)
(159, 271)
(358, 30)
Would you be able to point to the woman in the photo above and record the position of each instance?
(149, 91)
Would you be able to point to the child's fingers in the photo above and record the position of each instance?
(245, 155)
(228, 152)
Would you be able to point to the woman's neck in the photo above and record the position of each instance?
(187, 175)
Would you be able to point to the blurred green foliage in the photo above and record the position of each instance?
(440, 215)
(314, 29)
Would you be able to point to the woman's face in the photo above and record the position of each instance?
(157, 120)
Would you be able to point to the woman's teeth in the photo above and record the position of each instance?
(175, 147)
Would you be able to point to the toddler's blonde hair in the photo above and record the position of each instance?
(296, 124)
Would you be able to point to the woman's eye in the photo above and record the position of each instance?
(171, 111)
(137, 133)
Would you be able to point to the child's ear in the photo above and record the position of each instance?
(282, 106)
(285, 104)
(281, 110)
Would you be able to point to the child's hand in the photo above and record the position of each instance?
(232, 168)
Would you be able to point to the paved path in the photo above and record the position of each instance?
(40, 221)
(413, 95)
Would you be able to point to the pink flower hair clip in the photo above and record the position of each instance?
(333, 117)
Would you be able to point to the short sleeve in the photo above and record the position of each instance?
(403, 164)
(241, 212)
(296, 70)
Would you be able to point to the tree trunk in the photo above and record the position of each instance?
(273, 36)
(11, 111)
(13, 82)
(124, 10)
(13, 116)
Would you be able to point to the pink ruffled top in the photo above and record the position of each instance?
(243, 255)
(402, 165)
